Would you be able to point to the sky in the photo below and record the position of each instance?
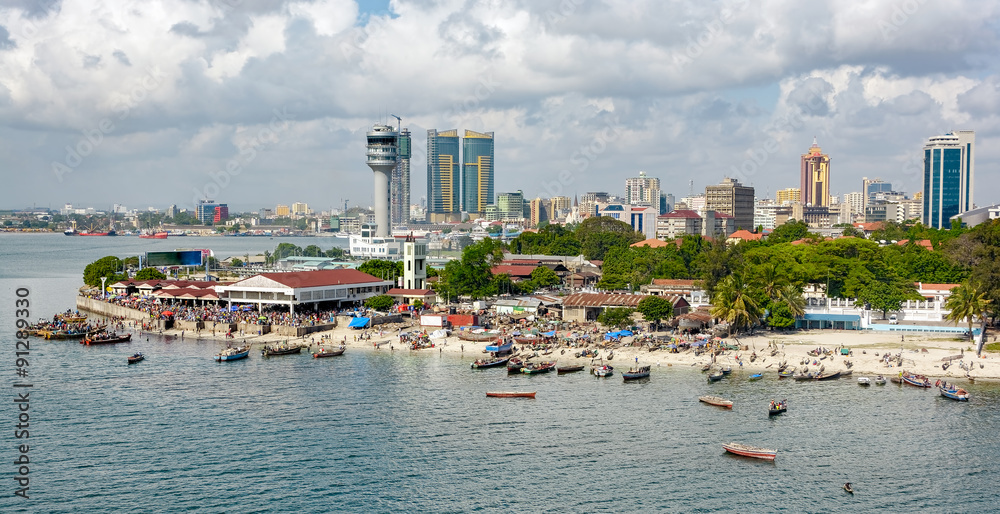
(256, 103)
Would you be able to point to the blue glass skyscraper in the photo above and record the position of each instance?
(949, 171)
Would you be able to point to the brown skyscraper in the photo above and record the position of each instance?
(815, 189)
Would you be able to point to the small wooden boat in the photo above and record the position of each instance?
(328, 352)
(896, 379)
(750, 451)
(500, 348)
(785, 373)
(271, 351)
(864, 381)
(718, 401)
(480, 337)
(804, 376)
(916, 380)
(541, 367)
(715, 376)
(828, 376)
(63, 334)
(485, 363)
(636, 373)
(568, 369)
(848, 488)
(727, 370)
(514, 365)
(138, 357)
(232, 354)
(756, 376)
(706, 367)
(880, 380)
(510, 394)
(603, 370)
(777, 408)
(108, 339)
(527, 339)
(954, 392)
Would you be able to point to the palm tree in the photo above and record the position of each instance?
(771, 280)
(967, 301)
(734, 302)
(791, 295)
(267, 258)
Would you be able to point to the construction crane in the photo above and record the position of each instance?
(399, 123)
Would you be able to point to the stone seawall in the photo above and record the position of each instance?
(107, 309)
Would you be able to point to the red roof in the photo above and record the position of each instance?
(614, 300)
(514, 270)
(409, 292)
(683, 213)
(652, 243)
(745, 235)
(935, 287)
(926, 243)
(870, 227)
(674, 282)
(331, 277)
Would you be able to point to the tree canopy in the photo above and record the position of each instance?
(381, 303)
(109, 267)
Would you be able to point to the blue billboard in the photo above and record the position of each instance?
(181, 258)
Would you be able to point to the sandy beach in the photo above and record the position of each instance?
(922, 354)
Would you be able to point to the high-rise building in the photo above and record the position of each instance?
(382, 152)
(300, 209)
(561, 206)
(949, 172)
(589, 202)
(511, 205)
(206, 213)
(220, 213)
(540, 209)
(281, 210)
(477, 171)
(788, 196)
(666, 202)
(399, 187)
(443, 186)
(874, 191)
(642, 190)
(855, 202)
(732, 198)
(815, 177)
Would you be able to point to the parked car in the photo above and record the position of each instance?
(893, 320)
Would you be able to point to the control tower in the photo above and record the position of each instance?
(382, 152)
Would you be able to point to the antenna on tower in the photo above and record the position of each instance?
(399, 123)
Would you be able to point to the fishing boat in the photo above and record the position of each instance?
(785, 373)
(510, 394)
(282, 349)
(718, 401)
(864, 381)
(848, 488)
(804, 376)
(953, 392)
(541, 367)
(514, 365)
(915, 380)
(880, 380)
(636, 373)
(828, 376)
(232, 354)
(107, 339)
(529, 339)
(896, 379)
(727, 370)
(715, 376)
(486, 363)
(603, 370)
(329, 352)
(706, 367)
(153, 235)
(777, 408)
(561, 370)
(750, 451)
(756, 376)
(500, 348)
(478, 337)
(138, 357)
(63, 334)
(71, 317)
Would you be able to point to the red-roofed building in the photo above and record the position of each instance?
(330, 287)
(407, 296)
(652, 243)
(588, 306)
(926, 243)
(743, 235)
(515, 271)
(869, 228)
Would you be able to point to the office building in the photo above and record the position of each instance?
(206, 213)
(300, 209)
(399, 187)
(642, 190)
(788, 196)
(281, 211)
(732, 198)
(949, 173)
(561, 206)
(874, 191)
(589, 202)
(443, 185)
(815, 177)
(641, 218)
(511, 206)
(540, 209)
(477, 172)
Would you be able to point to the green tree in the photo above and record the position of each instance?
(312, 251)
(885, 295)
(598, 234)
(779, 316)
(472, 275)
(284, 250)
(791, 231)
(149, 274)
(335, 253)
(385, 270)
(655, 308)
(966, 302)
(734, 301)
(542, 277)
(418, 304)
(236, 263)
(381, 303)
(616, 317)
(110, 267)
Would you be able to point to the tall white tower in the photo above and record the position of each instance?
(382, 153)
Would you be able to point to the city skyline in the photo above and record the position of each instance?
(232, 101)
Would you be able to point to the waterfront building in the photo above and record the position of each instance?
(414, 263)
(732, 198)
(477, 172)
(949, 174)
(443, 164)
(300, 209)
(642, 190)
(381, 153)
(399, 187)
(308, 289)
(220, 213)
(815, 177)
(788, 196)
(281, 211)
(171, 211)
(206, 212)
(370, 245)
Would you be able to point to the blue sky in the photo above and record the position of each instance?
(260, 102)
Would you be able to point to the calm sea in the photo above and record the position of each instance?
(410, 431)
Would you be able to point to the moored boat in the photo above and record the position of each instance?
(756, 376)
(232, 354)
(880, 380)
(750, 451)
(489, 363)
(568, 369)
(828, 376)
(715, 376)
(603, 370)
(727, 370)
(915, 380)
(514, 365)
(510, 394)
(329, 352)
(636, 373)
(787, 372)
(478, 337)
(776, 408)
(138, 357)
(153, 235)
(107, 339)
(864, 381)
(500, 348)
(718, 401)
(953, 392)
(282, 349)
(541, 367)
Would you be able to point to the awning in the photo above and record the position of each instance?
(359, 322)
(550, 333)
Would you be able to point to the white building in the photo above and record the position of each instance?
(642, 190)
(642, 219)
(368, 245)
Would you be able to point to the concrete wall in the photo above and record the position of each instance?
(106, 309)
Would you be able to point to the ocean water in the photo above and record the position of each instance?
(413, 431)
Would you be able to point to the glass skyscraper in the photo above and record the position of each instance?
(477, 172)
(399, 187)
(443, 185)
(949, 171)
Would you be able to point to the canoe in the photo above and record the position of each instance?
(482, 364)
(510, 394)
(848, 488)
(480, 337)
(232, 354)
(323, 352)
(777, 408)
(750, 451)
(270, 351)
(541, 367)
(756, 376)
(718, 401)
(568, 369)
(828, 376)
(715, 376)
(916, 380)
(786, 373)
(727, 370)
(136, 358)
(957, 394)
(108, 340)
(636, 373)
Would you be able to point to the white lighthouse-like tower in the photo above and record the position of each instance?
(382, 152)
